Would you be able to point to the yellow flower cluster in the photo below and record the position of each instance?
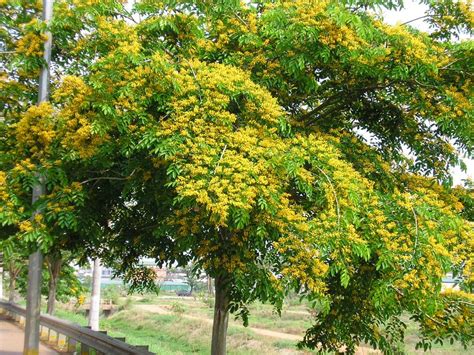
(232, 156)
(31, 44)
(75, 127)
(36, 130)
(3, 186)
(304, 263)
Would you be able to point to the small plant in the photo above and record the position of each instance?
(178, 308)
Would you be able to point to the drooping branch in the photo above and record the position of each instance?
(104, 178)
(342, 98)
(108, 178)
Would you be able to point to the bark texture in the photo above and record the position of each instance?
(12, 295)
(54, 269)
(14, 270)
(210, 289)
(221, 317)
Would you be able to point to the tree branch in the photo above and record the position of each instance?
(103, 178)
(340, 95)
(335, 195)
(220, 158)
(416, 19)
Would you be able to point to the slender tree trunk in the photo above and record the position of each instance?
(1, 282)
(95, 296)
(12, 289)
(210, 290)
(221, 317)
(13, 271)
(54, 268)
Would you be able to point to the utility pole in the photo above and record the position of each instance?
(94, 310)
(33, 298)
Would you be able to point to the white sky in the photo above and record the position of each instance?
(411, 11)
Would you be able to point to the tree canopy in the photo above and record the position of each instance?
(279, 145)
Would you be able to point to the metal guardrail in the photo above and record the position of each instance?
(72, 337)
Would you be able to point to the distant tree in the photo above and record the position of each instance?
(54, 263)
(61, 281)
(66, 285)
(15, 264)
(191, 276)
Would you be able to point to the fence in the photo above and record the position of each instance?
(72, 338)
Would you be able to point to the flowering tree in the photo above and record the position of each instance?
(264, 141)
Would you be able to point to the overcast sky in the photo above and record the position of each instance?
(411, 11)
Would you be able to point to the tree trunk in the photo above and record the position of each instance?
(13, 272)
(54, 268)
(12, 289)
(1, 282)
(210, 290)
(221, 317)
(95, 296)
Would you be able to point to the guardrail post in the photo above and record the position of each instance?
(62, 339)
(85, 350)
(71, 345)
(44, 333)
(54, 341)
(53, 336)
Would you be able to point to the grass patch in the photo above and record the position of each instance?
(173, 334)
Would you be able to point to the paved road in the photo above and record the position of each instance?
(11, 340)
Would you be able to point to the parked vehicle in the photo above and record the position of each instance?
(183, 293)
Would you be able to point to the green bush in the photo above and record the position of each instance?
(114, 293)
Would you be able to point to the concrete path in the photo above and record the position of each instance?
(11, 339)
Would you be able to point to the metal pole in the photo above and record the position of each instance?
(33, 298)
(43, 93)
